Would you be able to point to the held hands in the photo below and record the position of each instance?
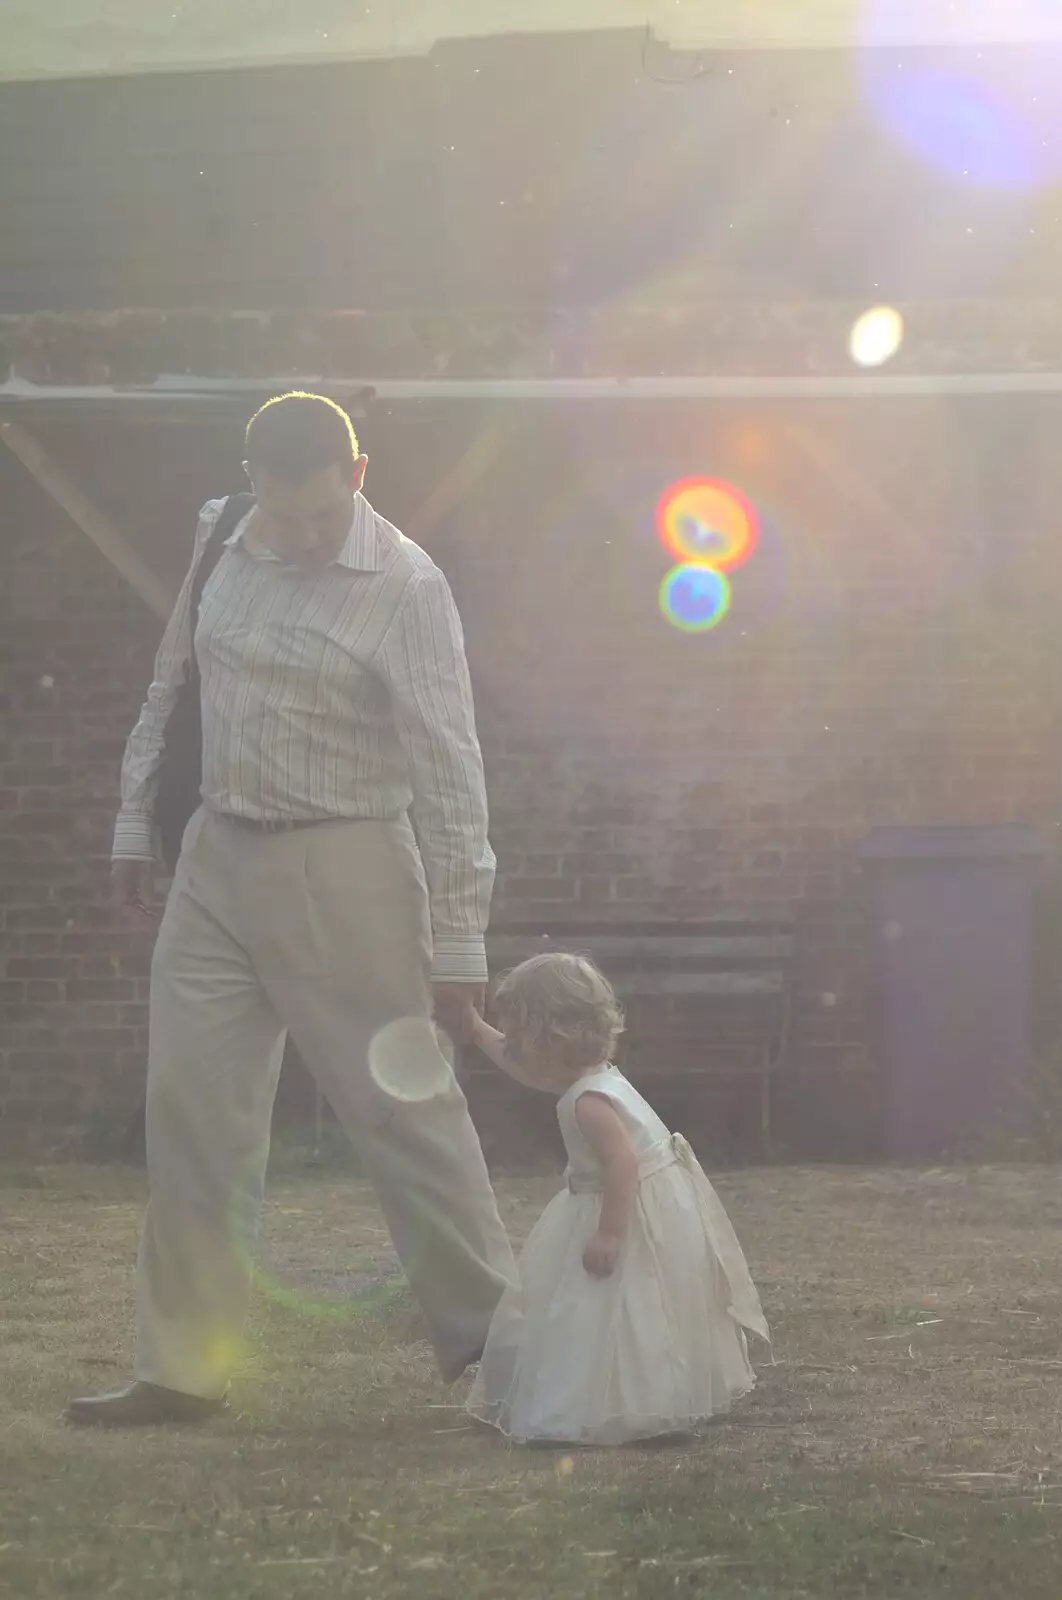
(456, 1007)
(601, 1255)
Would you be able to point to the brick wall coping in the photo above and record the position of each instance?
(731, 339)
(32, 402)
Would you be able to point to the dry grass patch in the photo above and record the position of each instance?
(907, 1443)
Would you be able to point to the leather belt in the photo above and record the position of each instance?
(269, 825)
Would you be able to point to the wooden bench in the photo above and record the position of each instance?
(725, 960)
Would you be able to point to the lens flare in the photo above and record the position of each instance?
(988, 119)
(341, 1285)
(222, 1354)
(694, 598)
(408, 1060)
(706, 521)
(876, 336)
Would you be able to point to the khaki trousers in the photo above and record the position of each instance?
(322, 932)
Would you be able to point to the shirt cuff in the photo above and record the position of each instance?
(459, 958)
(134, 837)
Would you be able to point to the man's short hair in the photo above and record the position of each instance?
(298, 434)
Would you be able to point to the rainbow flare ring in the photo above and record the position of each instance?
(708, 523)
(695, 598)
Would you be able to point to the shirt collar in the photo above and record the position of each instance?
(362, 552)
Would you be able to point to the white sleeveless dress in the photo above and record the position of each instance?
(656, 1349)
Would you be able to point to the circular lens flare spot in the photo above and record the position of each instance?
(986, 118)
(693, 598)
(705, 520)
(876, 336)
(408, 1061)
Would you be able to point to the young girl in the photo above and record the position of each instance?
(635, 1294)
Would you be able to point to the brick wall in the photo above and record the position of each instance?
(890, 657)
(74, 647)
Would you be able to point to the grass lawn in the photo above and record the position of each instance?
(908, 1442)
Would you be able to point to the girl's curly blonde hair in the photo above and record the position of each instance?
(559, 1007)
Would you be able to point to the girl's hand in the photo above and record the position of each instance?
(602, 1255)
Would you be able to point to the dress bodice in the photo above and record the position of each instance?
(649, 1135)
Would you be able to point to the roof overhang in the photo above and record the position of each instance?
(68, 38)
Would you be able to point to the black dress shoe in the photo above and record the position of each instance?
(142, 1405)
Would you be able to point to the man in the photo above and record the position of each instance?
(336, 707)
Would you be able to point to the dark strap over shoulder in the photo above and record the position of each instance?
(180, 771)
(230, 516)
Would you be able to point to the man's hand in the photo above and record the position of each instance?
(455, 1006)
(134, 892)
(602, 1254)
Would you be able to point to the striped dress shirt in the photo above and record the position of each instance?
(341, 694)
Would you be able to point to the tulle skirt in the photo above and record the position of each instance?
(657, 1349)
